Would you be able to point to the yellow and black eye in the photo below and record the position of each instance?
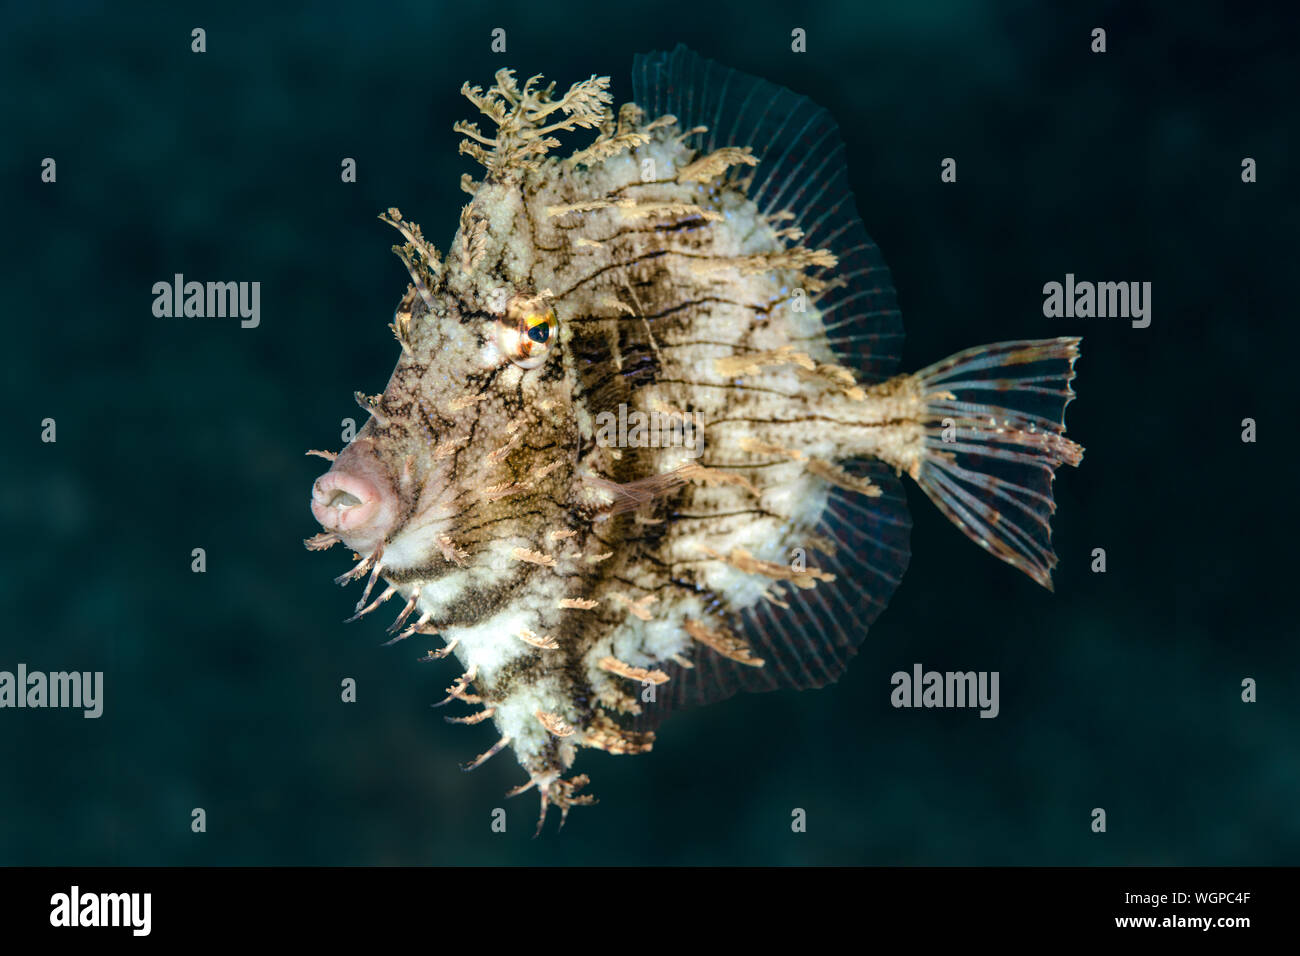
(527, 332)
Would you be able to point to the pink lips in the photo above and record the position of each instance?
(355, 500)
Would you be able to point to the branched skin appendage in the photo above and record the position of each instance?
(562, 573)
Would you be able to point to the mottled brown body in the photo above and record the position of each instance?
(577, 581)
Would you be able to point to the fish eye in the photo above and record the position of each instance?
(527, 331)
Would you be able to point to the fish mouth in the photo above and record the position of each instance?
(343, 499)
(354, 502)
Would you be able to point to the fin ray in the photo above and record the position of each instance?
(989, 467)
(865, 543)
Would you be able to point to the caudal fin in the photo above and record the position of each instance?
(994, 437)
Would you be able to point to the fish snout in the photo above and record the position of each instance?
(356, 504)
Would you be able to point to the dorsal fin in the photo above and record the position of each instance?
(801, 169)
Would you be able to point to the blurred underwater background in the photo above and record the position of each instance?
(1120, 690)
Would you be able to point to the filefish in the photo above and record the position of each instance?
(644, 444)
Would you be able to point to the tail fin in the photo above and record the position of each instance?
(994, 437)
